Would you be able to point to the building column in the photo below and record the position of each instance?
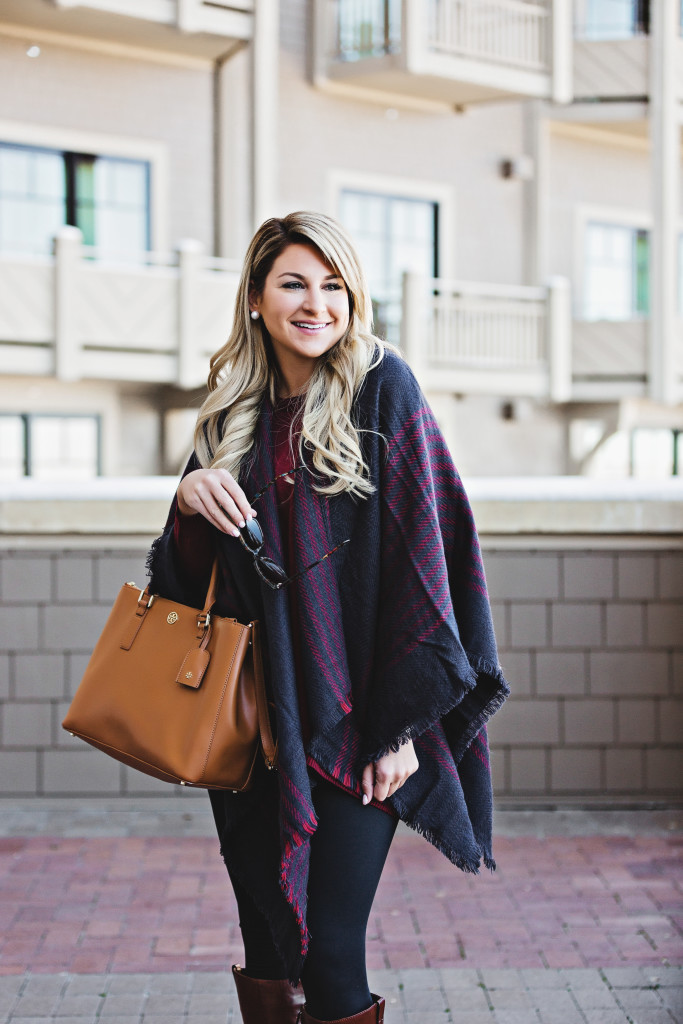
(68, 255)
(536, 191)
(232, 154)
(265, 109)
(665, 161)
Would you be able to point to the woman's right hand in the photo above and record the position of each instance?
(216, 495)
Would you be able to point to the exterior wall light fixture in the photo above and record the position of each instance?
(520, 168)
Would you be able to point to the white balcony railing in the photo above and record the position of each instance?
(502, 31)
(484, 327)
(454, 50)
(496, 339)
(160, 318)
(157, 319)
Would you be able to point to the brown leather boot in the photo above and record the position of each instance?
(267, 1002)
(373, 1015)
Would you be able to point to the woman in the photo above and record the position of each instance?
(322, 484)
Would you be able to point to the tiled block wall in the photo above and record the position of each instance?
(591, 641)
(592, 644)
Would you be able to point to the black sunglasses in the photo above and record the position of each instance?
(251, 539)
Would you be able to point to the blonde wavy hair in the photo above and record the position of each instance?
(245, 370)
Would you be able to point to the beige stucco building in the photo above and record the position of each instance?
(510, 171)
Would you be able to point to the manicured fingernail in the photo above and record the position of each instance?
(366, 798)
(242, 524)
(253, 512)
(235, 533)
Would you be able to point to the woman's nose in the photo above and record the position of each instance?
(314, 301)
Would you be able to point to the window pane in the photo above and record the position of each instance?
(86, 222)
(393, 235)
(349, 211)
(618, 242)
(28, 225)
(129, 184)
(11, 447)
(642, 272)
(103, 191)
(368, 28)
(112, 203)
(32, 198)
(64, 447)
(14, 171)
(616, 274)
(611, 19)
(85, 179)
(48, 175)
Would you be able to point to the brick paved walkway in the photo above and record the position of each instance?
(128, 928)
(164, 904)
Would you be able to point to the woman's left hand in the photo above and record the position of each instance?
(382, 778)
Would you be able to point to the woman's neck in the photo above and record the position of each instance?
(291, 386)
(293, 375)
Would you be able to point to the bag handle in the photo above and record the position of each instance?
(268, 744)
(210, 600)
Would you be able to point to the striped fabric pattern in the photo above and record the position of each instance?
(398, 644)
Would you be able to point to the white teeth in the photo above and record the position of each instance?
(311, 327)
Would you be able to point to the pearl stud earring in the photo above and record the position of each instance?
(254, 314)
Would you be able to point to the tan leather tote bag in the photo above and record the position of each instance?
(176, 692)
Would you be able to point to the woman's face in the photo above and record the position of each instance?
(304, 306)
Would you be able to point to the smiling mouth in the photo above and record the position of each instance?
(310, 326)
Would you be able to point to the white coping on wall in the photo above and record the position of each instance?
(121, 507)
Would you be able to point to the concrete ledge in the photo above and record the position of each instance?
(550, 506)
(107, 505)
(576, 505)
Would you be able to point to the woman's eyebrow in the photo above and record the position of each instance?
(292, 273)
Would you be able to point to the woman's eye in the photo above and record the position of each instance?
(292, 284)
(333, 287)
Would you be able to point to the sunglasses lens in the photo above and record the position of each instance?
(252, 535)
(271, 571)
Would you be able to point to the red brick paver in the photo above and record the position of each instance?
(164, 905)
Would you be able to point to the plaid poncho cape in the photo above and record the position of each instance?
(397, 643)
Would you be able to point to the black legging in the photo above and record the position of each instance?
(348, 852)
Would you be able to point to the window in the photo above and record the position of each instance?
(613, 19)
(617, 280)
(41, 190)
(368, 28)
(393, 234)
(49, 447)
(644, 453)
